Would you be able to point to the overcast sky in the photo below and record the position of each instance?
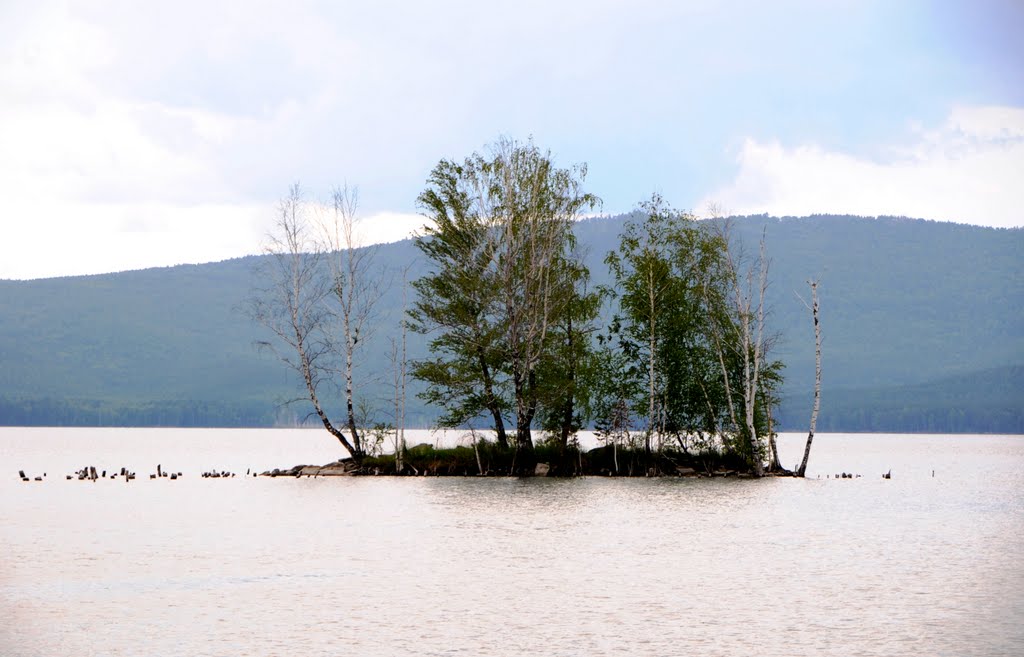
(137, 134)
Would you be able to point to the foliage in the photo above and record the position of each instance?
(504, 278)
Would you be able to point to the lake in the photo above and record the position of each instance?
(927, 564)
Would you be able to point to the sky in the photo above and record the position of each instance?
(136, 134)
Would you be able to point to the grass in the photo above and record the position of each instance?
(490, 459)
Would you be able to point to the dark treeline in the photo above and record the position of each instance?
(171, 413)
(991, 401)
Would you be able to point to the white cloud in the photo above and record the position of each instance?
(969, 170)
(105, 237)
(385, 227)
(141, 134)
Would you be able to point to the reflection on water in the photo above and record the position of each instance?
(468, 566)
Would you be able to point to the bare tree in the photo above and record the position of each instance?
(354, 291)
(292, 305)
(800, 472)
(317, 298)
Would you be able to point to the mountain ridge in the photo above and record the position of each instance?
(905, 302)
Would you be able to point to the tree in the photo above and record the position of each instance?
(317, 298)
(354, 292)
(500, 239)
(801, 471)
(562, 381)
(399, 372)
(612, 386)
(659, 271)
(736, 304)
(458, 303)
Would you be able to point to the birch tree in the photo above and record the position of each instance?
(739, 331)
(316, 296)
(801, 471)
(657, 271)
(354, 292)
(502, 228)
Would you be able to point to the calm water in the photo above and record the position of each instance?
(383, 566)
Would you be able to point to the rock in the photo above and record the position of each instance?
(685, 472)
(21, 474)
(541, 470)
(333, 471)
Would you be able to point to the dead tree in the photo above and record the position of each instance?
(354, 291)
(817, 377)
(316, 296)
(291, 302)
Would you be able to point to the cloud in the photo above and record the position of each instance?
(385, 227)
(970, 169)
(106, 237)
(118, 118)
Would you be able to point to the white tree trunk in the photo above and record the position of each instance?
(802, 470)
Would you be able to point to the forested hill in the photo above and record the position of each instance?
(923, 327)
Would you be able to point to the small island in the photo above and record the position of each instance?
(669, 362)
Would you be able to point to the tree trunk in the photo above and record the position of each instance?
(352, 429)
(331, 429)
(801, 471)
(773, 448)
(492, 401)
(652, 344)
(569, 406)
(526, 408)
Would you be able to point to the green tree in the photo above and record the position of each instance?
(458, 303)
(500, 242)
(696, 334)
(571, 362)
(734, 297)
(658, 272)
